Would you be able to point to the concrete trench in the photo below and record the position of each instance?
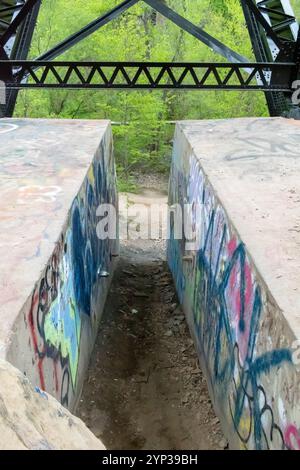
(144, 388)
(128, 366)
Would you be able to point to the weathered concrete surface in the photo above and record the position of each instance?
(32, 420)
(240, 289)
(53, 176)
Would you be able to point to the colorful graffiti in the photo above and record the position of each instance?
(62, 300)
(225, 305)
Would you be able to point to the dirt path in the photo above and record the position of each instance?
(144, 389)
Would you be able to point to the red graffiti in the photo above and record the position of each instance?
(46, 357)
(56, 377)
(35, 300)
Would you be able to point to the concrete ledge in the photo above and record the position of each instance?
(53, 176)
(33, 420)
(241, 288)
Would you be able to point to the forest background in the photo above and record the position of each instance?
(142, 120)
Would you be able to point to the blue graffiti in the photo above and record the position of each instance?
(174, 260)
(65, 292)
(90, 254)
(218, 342)
(82, 296)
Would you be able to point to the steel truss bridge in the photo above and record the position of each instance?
(273, 29)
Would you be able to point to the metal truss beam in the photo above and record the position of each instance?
(196, 31)
(7, 9)
(17, 21)
(273, 30)
(272, 26)
(164, 10)
(281, 18)
(263, 22)
(150, 75)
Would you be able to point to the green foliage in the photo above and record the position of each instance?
(296, 8)
(126, 185)
(143, 135)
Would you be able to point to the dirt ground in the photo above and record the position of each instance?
(144, 388)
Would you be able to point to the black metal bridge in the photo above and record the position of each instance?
(273, 29)
(17, 23)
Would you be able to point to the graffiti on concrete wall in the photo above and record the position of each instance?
(176, 246)
(63, 297)
(227, 304)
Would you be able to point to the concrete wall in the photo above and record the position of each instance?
(243, 328)
(53, 333)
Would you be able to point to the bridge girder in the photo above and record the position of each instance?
(273, 29)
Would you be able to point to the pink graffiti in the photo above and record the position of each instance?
(231, 247)
(234, 299)
(292, 437)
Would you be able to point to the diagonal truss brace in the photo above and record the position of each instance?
(196, 31)
(87, 30)
(264, 23)
(157, 5)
